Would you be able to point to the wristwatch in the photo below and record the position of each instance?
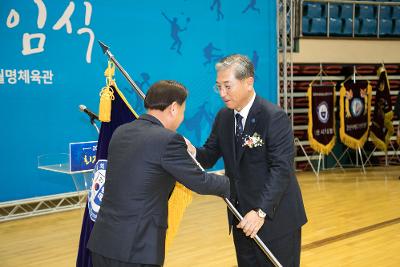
(261, 213)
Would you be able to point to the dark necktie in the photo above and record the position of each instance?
(239, 131)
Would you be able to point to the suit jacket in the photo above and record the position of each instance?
(261, 177)
(144, 161)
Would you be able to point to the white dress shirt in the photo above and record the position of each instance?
(245, 111)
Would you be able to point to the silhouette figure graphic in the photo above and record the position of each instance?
(145, 80)
(252, 6)
(255, 59)
(143, 83)
(208, 54)
(175, 30)
(217, 3)
(196, 122)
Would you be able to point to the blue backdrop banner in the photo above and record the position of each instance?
(50, 63)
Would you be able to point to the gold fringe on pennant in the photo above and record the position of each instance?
(347, 139)
(388, 116)
(377, 142)
(390, 130)
(398, 134)
(178, 202)
(317, 146)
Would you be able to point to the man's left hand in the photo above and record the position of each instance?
(251, 223)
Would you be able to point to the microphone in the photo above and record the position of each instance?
(92, 116)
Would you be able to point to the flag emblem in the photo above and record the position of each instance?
(97, 190)
(357, 107)
(322, 110)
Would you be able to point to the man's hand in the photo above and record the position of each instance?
(251, 223)
(190, 148)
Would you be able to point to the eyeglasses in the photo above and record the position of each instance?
(218, 88)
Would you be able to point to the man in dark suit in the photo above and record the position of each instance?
(255, 139)
(145, 159)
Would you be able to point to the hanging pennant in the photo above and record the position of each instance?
(382, 126)
(397, 113)
(321, 117)
(355, 113)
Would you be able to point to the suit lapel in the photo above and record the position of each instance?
(231, 134)
(250, 125)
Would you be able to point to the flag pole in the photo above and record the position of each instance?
(257, 239)
(106, 50)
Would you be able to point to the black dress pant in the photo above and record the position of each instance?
(286, 250)
(101, 261)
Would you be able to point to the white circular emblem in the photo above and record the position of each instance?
(322, 111)
(97, 189)
(357, 107)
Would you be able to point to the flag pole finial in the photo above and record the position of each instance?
(103, 46)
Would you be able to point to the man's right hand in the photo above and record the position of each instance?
(251, 224)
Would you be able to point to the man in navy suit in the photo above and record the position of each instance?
(255, 139)
(145, 159)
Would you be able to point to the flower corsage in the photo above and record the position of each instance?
(253, 141)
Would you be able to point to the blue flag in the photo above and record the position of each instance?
(121, 112)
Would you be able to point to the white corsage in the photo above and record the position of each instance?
(253, 141)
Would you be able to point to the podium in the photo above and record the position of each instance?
(60, 163)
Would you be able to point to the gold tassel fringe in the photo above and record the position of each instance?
(178, 202)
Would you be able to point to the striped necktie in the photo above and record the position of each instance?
(239, 131)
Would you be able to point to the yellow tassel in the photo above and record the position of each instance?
(106, 96)
(110, 71)
(180, 199)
